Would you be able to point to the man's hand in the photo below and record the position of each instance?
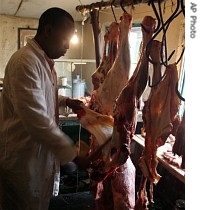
(82, 162)
(74, 104)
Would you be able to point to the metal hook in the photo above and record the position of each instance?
(183, 7)
(178, 93)
(121, 5)
(167, 23)
(170, 56)
(171, 18)
(164, 40)
(164, 34)
(180, 55)
(113, 10)
(154, 85)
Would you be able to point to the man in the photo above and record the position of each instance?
(32, 147)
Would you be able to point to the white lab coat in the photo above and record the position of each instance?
(31, 144)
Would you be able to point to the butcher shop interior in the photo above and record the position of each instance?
(124, 75)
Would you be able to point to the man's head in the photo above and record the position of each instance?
(55, 29)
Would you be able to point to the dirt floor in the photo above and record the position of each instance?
(75, 192)
(75, 196)
(73, 201)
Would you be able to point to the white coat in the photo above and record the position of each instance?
(31, 144)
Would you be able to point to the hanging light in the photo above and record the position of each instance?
(74, 39)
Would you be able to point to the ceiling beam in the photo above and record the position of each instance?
(107, 4)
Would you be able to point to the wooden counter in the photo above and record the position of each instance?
(174, 170)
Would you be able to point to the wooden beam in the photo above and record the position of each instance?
(94, 14)
(106, 4)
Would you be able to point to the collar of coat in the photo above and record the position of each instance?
(38, 48)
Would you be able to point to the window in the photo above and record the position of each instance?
(135, 39)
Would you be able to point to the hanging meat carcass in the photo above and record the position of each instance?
(101, 184)
(125, 120)
(104, 97)
(120, 69)
(111, 41)
(107, 188)
(125, 109)
(179, 144)
(159, 113)
(123, 186)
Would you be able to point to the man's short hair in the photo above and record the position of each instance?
(53, 16)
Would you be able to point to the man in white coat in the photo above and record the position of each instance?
(32, 146)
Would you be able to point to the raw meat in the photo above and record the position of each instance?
(111, 41)
(159, 112)
(104, 97)
(125, 109)
(179, 145)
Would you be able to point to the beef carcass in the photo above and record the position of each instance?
(116, 184)
(107, 185)
(179, 144)
(125, 115)
(117, 77)
(111, 41)
(125, 109)
(159, 112)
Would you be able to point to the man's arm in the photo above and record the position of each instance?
(29, 102)
(70, 102)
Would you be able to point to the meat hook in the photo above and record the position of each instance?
(171, 18)
(167, 23)
(164, 40)
(173, 50)
(113, 10)
(178, 93)
(154, 85)
(183, 7)
(181, 55)
(121, 5)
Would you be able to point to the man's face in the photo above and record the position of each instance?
(59, 37)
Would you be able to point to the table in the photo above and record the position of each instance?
(174, 170)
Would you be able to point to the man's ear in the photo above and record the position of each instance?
(48, 30)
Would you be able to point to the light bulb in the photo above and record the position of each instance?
(74, 39)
